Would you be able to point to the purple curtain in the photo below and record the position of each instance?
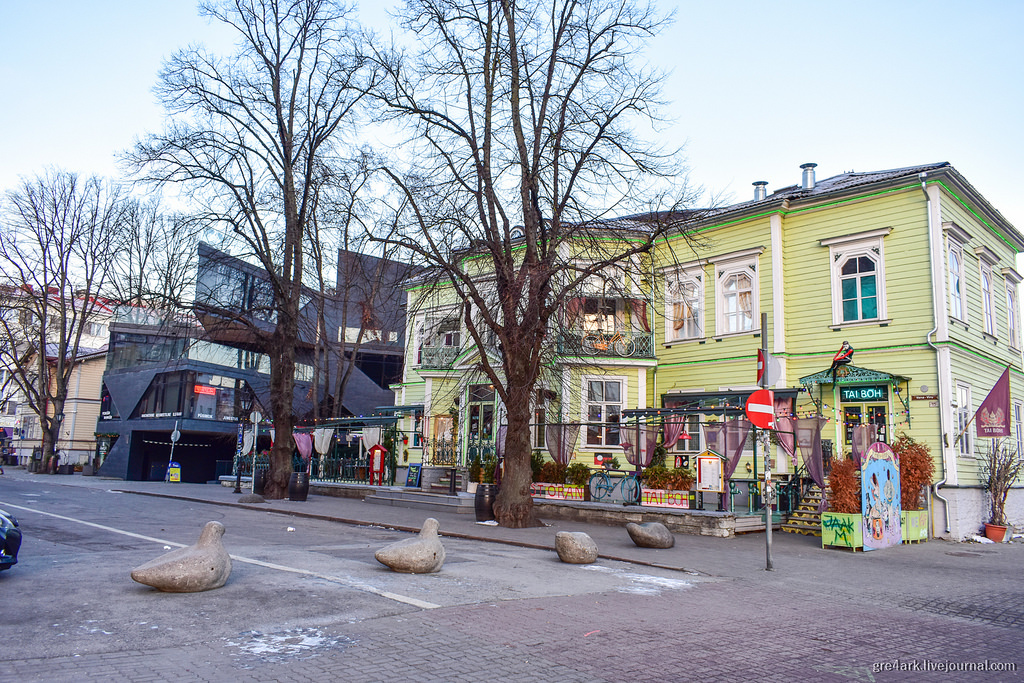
(560, 440)
(863, 437)
(808, 442)
(639, 443)
(673, 430)
(785, 428)
(728, 439)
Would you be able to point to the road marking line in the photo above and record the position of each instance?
(358, 585)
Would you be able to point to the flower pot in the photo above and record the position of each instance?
(995, 532)
(484, 501)
(298, 486)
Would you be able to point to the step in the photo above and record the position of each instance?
(462, 503)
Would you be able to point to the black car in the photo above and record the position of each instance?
(10, 540)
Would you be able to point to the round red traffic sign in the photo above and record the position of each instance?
(761, 408)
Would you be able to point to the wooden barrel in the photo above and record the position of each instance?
(259, 482)
(298, 486)
(484, 502)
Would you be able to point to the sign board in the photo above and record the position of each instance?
(880, 497)
(412, 479)
(761, 408)
(377, 454)
(709, 472)
(870, 392)
(173, 471)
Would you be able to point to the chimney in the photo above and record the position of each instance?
(760, 190)
(808, 170)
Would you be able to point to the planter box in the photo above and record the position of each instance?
(915, 525)
(663, 498)
(556, 491)
(842, 529)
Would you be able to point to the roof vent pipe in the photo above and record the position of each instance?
(808, 170)
(760, 190)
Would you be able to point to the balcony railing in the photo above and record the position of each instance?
(606, 344)
(438, 357)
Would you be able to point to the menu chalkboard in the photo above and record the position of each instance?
(413, 478)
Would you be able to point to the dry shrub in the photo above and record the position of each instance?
(916, 470)
(552, 472)
(844, 488)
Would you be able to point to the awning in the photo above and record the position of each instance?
(851, 374)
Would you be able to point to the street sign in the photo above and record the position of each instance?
(761, 408)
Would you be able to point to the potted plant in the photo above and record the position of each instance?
(662, 486)
(578, 475)
(841, 525)
(1000, 468)
(916, 471)
(475, 475)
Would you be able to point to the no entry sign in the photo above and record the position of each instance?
(761, 408)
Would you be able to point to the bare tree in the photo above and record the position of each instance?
(521, 119)
(249, 136)
(156, 266)
(56, 252)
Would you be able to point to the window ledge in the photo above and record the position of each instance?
(860, 323)
(677, 342)
(990, 337)
(731, 335)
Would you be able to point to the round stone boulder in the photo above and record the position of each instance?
(421, 555)
(252, 498)
(575, 547)
(651, 535)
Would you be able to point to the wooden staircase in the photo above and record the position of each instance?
(806, 519)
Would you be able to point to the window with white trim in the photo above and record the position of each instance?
(602, 410)
(957, 303)
(987, 303)
(858, 277)
(1012, 317)
(965, 444)
(736, 295)
(684, 296)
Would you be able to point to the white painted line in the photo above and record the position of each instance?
(358, 585)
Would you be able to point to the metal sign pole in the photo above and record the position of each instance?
(769, 489)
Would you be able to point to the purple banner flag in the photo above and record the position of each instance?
(993, 416)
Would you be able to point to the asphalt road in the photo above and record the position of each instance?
(307, 601)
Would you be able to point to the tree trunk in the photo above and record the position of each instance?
(282, 388)
(513, 507)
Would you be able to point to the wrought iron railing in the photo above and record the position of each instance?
(438, 357)
(613, 344)
(442, 453)
(342, 464)
(479, 449)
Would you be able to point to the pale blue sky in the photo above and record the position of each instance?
(757, 88)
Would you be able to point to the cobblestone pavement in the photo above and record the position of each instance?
(506, 613)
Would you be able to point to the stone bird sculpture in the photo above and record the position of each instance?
(200, 567)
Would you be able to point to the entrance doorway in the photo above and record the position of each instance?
(864, 413)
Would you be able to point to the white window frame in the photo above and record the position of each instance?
(870, 244)
(585, 404)
(744, 263)
(685, 317)
(957, 295)
(965, 445)
(987, 303)
(1018, 427)
(1012, 279)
